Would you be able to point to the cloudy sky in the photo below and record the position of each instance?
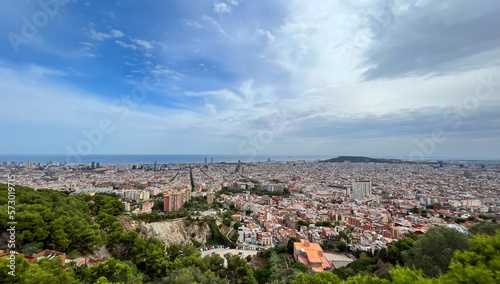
(378, 78)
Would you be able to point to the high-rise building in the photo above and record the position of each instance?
(205, 160)
(144, 195)
(174, 199)
(210, 196)
(212, 160)
(156, 166)
(361, 189)
(92, 165)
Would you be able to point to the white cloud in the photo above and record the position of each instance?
(144, 43)
(193, 24)
(222, 8)
(214, 23)
(116, 33)
(125, 45)
(268, 34)
(99, 36)
(102, 36)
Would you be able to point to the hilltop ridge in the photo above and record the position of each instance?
(361, 159)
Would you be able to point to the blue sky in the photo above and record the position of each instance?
(378, 78)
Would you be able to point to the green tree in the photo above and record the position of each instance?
(300, 266)
(31, 249)
(342, 246)
(405, 275)
(114, 271)
(149, 256)
(20, 267)
(484, 227)
(289, 244)
(346, 235)
(190, 275)
(433, 251)
(318, 278)
(214, 263)
(395, 249)
(238, 271)
(174, 251)
(481, 264)
(262, 275)
(48, 271)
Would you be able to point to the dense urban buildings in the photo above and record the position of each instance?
(365, 205)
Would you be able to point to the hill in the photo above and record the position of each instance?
(360, 159)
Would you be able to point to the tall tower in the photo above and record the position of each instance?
(156, 165)
(210, 196)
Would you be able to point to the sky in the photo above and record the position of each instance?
(407, 79)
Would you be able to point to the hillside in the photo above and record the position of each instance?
(360, 159)
(177, 231)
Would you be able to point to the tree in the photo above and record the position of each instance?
(404, 275)
(48, 271)
(214, 263)
(238, 270)
(248, 212)
(189, 275)
(318, 278)
(31, 249)
(484, 227)
(114, 271)
(478, 265)
(174, 251)
(21, 266)
(227, 222)
(366, 279)
(342, 246)
(148, 255)
(262, 275)
(324, 224)
(395, 249)
(346, 235)
(329, 245)
(300, 266)
(301, 223)
(433, 251)
(289, 244)
(237, 225)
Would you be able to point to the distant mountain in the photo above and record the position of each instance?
(358, 159)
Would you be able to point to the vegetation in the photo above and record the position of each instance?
(324, 224)
(301, 223)
(433, 251)
(198, 203)
(48, 219)
(259, 192)
(217, 238)
(395, 250)
(59, 220)
(484, 227)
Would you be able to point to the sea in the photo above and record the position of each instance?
(185, 159)
(150, 159)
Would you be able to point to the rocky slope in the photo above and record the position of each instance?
(177, 231)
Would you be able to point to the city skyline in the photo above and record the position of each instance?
(381, 79)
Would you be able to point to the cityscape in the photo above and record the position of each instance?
(250, 142)
(367, 205)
